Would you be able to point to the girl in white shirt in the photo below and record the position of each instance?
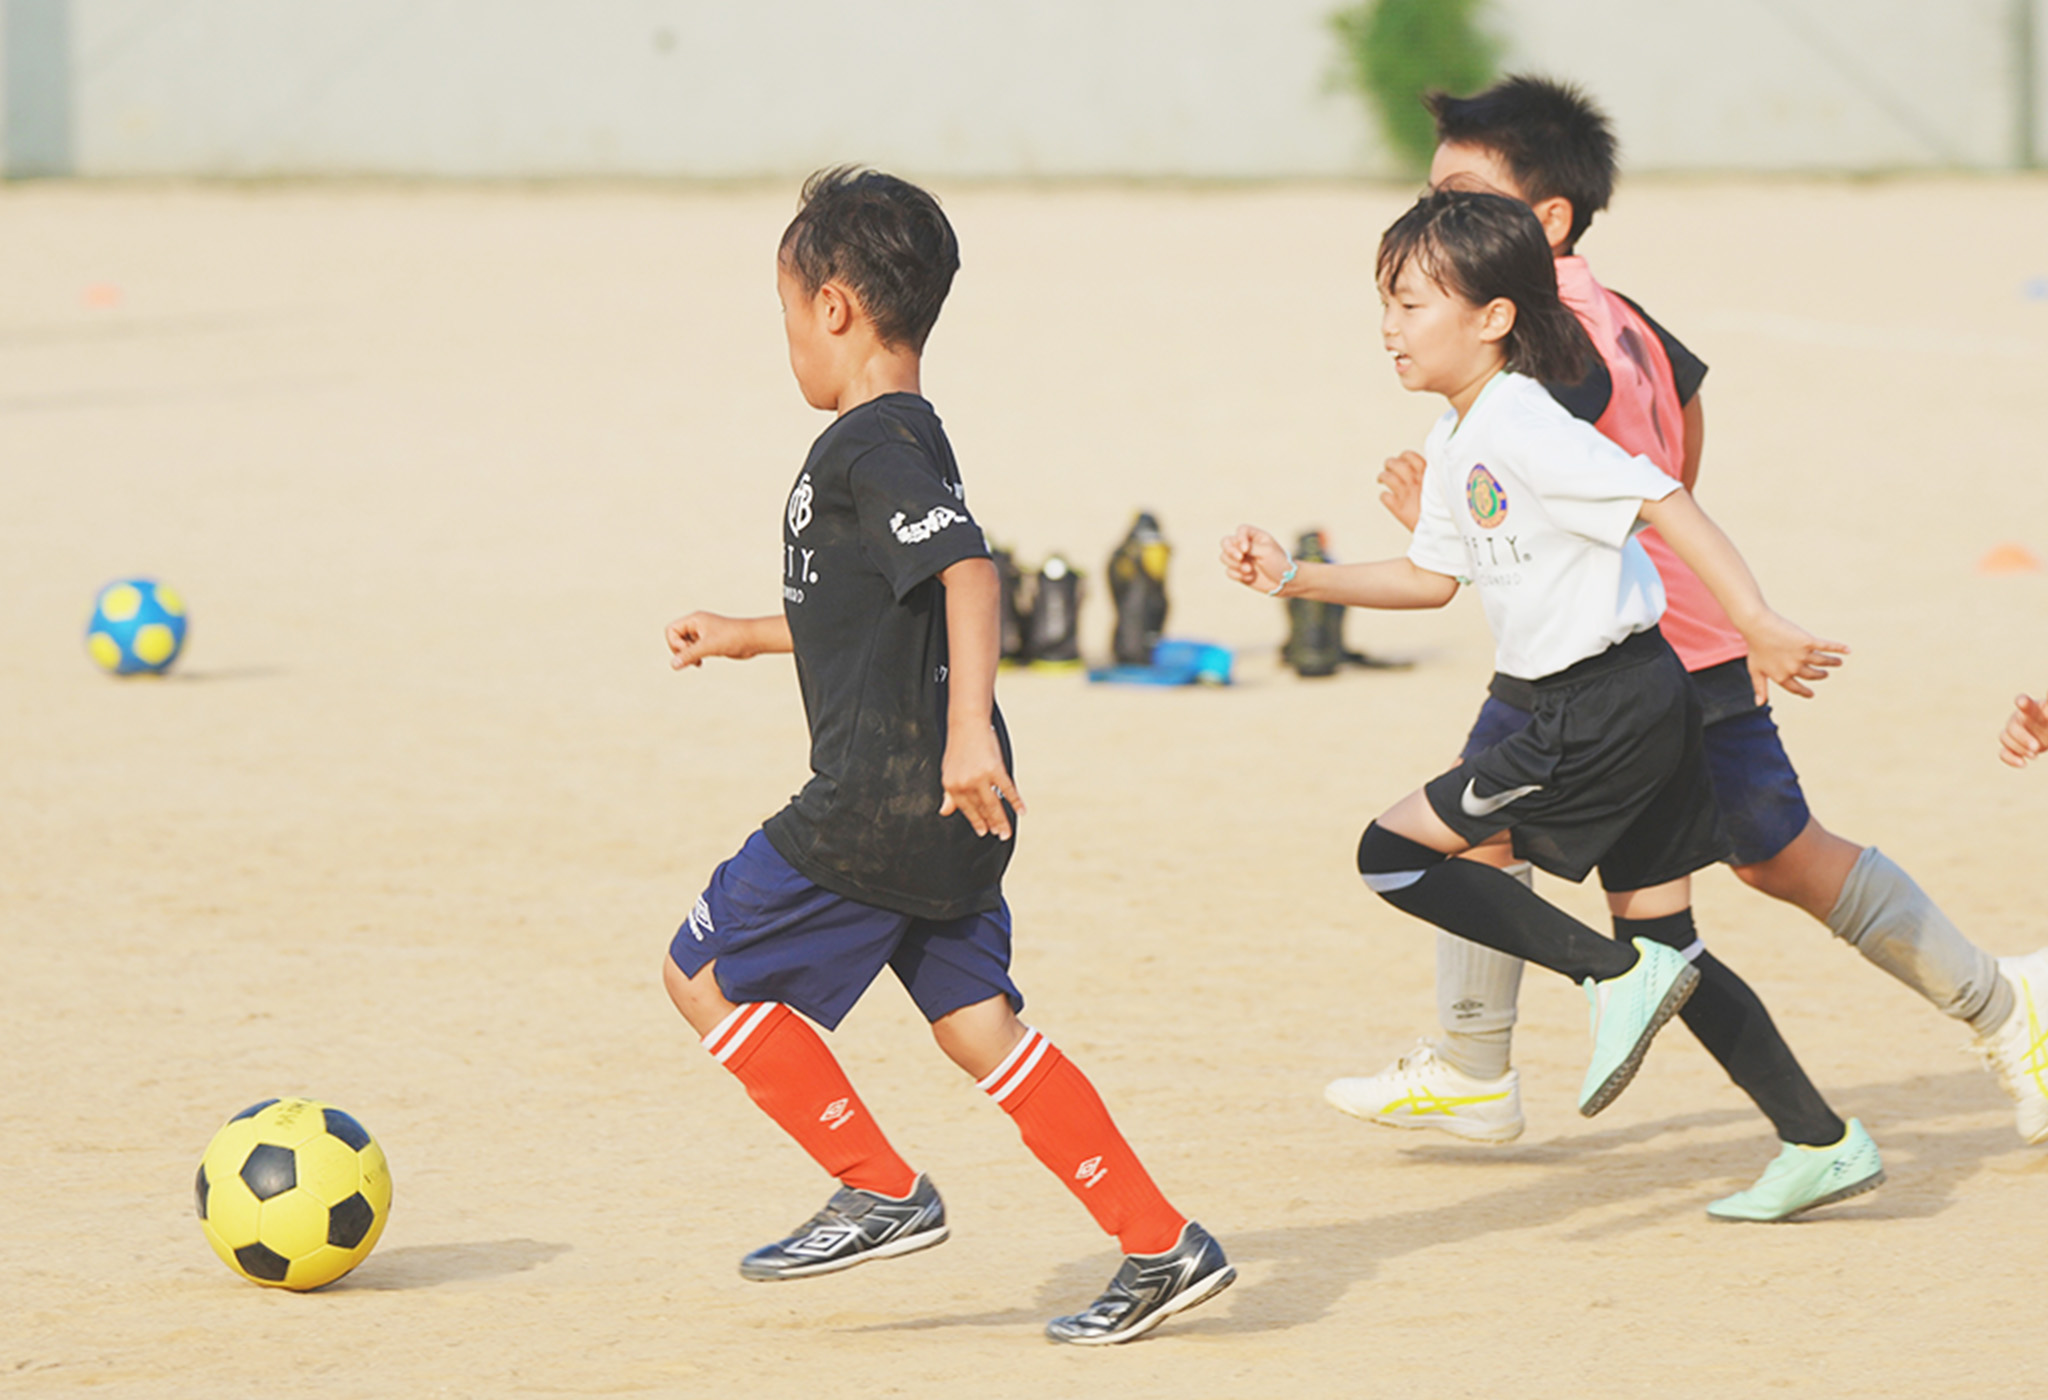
(1538, 511)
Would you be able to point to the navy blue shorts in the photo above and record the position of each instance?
(778, 937)
(1497, 720)
(1762, 805)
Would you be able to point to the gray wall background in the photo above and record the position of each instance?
(965, 88)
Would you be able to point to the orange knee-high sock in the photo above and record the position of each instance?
(790, 1073)
(1065, 1125)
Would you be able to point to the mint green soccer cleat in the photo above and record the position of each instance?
(1801, 1178)
(1627, 1011)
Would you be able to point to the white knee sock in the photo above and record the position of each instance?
(1883, 915)
(1476, 991)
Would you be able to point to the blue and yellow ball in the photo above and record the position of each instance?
(137, 628)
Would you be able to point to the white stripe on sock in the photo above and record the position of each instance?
(1017, 1051)
(1013, 1071)
(753, 1012)
(720, 1029)
(1392, 880)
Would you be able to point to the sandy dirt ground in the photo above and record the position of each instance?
(411, 824)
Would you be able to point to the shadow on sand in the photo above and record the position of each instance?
(430, 1265)
(1314, 1265)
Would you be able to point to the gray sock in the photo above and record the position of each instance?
(1883, 915)
(1476, 991)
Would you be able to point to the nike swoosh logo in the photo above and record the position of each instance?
(1476, 806)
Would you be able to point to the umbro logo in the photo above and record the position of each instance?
(1090, 1172)
(823, 1242)
(837, 1114)
(700, 920)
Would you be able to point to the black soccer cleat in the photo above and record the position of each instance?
(1014, 609)
(1054, 631)
(1315, 631)
(1148, 1289)
(854, 1227)
(1137, 586)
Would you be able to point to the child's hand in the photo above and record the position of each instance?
(976, 782)
(1781, 650)
(1254, 558)
(2026, 733)
(1402, 476)
(702, 634)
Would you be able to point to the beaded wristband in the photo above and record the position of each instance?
(1293, 568)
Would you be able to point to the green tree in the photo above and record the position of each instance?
(1397, 50)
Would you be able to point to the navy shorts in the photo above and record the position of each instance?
(1762, 805)
(778, 937)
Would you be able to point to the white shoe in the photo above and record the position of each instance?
(1421, 1091)
(2018, 1050)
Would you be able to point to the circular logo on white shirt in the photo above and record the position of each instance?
(1485, 498)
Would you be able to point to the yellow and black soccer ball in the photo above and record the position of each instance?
(293, 1193)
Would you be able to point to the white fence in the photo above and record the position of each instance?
(964, 88)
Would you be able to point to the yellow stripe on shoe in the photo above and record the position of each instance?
(2017, 1051)
(1421, 1090)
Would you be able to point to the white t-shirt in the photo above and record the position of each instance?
(1538, 510)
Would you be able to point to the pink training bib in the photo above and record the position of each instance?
(1644, 416)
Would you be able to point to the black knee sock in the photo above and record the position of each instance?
(1728, 1017)
(1480, 903)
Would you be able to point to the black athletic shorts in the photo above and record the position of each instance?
(1610, 772)
(1763, 808)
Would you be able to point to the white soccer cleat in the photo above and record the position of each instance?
(1421, 1091)
(2018, 1050)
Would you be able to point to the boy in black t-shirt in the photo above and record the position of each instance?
(893, 853)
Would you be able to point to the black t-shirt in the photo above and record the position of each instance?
(876, 514)
(1588, 398)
